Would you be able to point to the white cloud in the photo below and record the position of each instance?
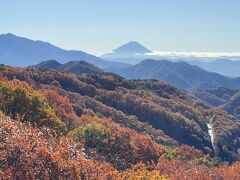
(234, 55)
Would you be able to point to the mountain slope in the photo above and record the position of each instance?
(215, 97)
(131, 47)
(49, 64)
(130, 53)
(79, 67)
(222, 66)
(19, 51)
(71, 66)
(167, 115)
(223, 98)
(233, 105)
(179, 74)
(32, 153)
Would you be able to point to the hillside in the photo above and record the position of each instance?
(49, 64)
(215, 97)
(151, 107)
(179, 74)
(33, 153)
(71, 66)
(225, 67)
(233, 105)
(64, 125)
(22, 52)
(223, 98)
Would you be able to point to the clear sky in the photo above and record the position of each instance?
(97, 26)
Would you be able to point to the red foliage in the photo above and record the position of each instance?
(31, 153)
(28, 153)
(62, 107)
(121, 146)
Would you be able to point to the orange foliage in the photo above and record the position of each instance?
(100, 145)
(21, 102)
(121, 146)
(230, 172)
(28, 153)
(62, 107)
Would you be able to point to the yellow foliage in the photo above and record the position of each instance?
(21, 102)
(141, 172)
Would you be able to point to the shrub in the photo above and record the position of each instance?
(21, 102)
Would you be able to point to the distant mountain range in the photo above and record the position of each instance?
(58, 121)
(222, 66)
(19, 51)
(133, 53)
(179, 74)
(22, 52)
(77, 67)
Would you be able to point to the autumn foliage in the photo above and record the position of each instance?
(27, 153)
(66, 126)
(61, 106)
(120, 146)
(20, 102)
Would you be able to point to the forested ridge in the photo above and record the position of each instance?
(222, 98)
(87, 126)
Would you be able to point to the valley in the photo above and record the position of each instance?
(119, 90)
(151, 117)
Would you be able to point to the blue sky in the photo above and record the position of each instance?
(97, 26)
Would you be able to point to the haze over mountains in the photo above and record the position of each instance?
(133, 47)
(19, 51)
(120, 90)
(179, 74)
(223, 66)
(133, 53)
(105, 118)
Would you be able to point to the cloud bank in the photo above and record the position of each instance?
(232, 55)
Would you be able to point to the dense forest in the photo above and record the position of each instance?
(60, 125)
(222, 98)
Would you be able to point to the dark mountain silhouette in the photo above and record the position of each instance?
(19, 51)
(179, 74)
(78, 67)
